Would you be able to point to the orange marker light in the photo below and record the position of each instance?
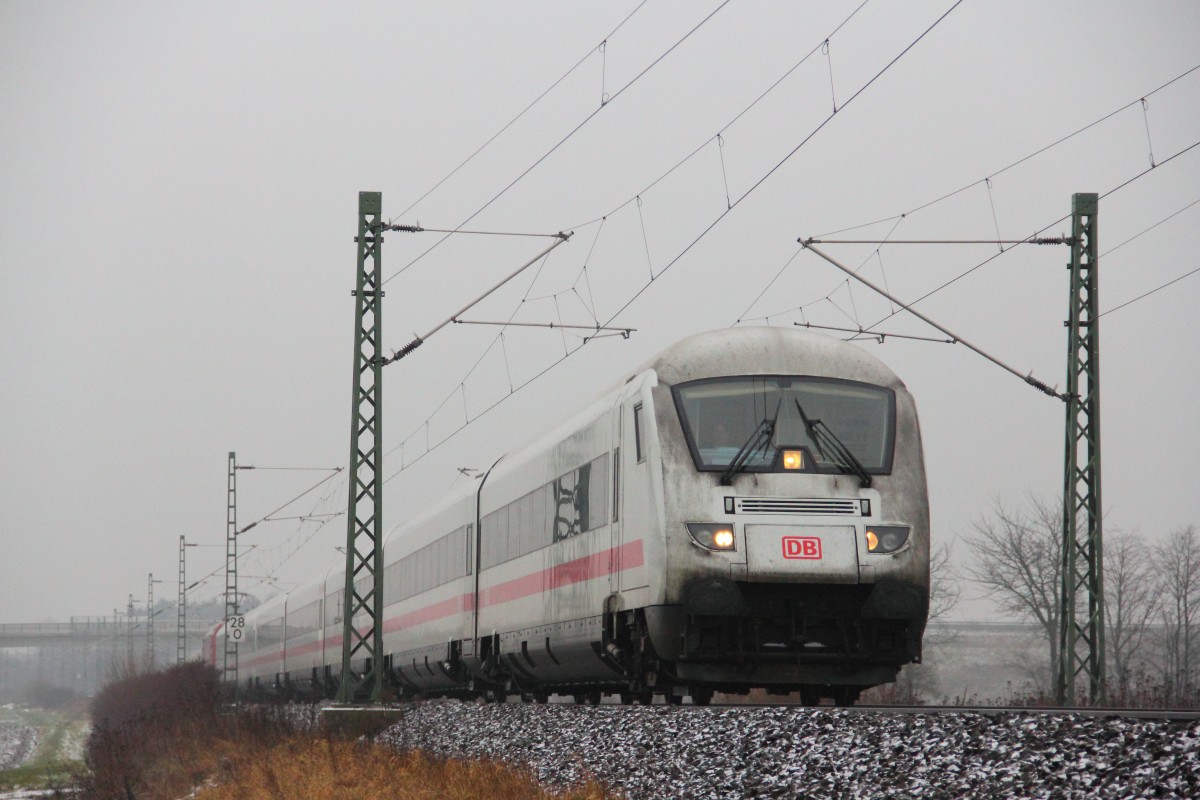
(887, 538)
(793, 459)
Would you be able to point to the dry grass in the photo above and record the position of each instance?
(332, 769)
(160, 736)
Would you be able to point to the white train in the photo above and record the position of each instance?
(748, 509)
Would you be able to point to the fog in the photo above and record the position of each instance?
(179, 202)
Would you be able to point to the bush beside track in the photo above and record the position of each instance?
(167, 735)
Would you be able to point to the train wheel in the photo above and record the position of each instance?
(810, 696)
(846, 695)
(702, 697)
(594, 697)
(645, 698)
(674, 699)
(540, 696)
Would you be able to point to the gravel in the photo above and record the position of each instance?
(736, 752)
(17, 743)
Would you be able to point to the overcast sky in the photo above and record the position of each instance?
(179, 198)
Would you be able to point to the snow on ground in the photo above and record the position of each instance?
(17, 744)
(736, 752)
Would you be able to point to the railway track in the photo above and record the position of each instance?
(1183, 715)
(1161, 714)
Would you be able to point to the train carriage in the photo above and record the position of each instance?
(746, 510)
(429, 592)
(261, 653)
(303, 658)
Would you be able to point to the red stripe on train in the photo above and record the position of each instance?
(597, 565)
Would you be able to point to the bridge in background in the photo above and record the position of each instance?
(83, 653)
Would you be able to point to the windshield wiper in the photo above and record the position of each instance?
(759, 439)
(842, 458)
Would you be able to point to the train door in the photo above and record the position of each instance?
(616, 518)
(635, 500)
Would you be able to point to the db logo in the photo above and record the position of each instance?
(801, 547)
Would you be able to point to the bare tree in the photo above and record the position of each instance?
(944, 589)
(1129, 605)
(1017, 558)
(916, 682)
(1176, 562)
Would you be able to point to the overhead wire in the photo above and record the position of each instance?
(602, 219)
(1147, 230)
(563, 140)
(828, 297)
(1138, 235)
(1037, 233)
(717, 136)
(287, 469)
(1152, 291)
(1045, 228)
(525, 110)
(498, 338)
(242, 553)
(786, 158)
(324, 510)
(770, 283)
(312, 488)
(313, 515)
(987, 181)
(699, 237)
(1019, 161)
(461, 232)
(264, 557)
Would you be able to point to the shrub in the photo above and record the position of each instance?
(166, 735)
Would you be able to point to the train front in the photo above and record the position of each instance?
(796, 515)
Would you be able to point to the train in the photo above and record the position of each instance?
(747, 510)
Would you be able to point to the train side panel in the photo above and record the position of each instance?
(303, 646)
(261, 654)
(429, 587)
(547, 554)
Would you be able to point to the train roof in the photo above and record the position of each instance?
(768, 351)
(743, 350)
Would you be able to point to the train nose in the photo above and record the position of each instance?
(808, 553)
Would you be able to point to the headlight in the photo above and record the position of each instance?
(712, 535)
(886, 538)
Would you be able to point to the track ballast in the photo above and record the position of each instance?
(789, 751)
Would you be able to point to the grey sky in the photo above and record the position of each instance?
(179, 200)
